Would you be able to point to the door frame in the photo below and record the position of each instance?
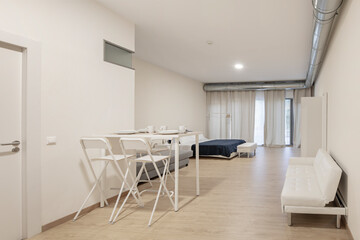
(31, 129)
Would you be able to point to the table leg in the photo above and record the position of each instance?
(103, 186)
(176, 174)
(197, 165)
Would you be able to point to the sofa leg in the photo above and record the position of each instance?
(289, 219)
(338, 221)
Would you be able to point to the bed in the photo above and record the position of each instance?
(219, 148)
(225, 148)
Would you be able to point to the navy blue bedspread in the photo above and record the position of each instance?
(223, 147)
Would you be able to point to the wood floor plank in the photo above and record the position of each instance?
(240, 199)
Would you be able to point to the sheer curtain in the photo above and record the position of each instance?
(298, 94)
(242, 115)
(218, 115)
(231, 114)
(274, 131)
(259, 118)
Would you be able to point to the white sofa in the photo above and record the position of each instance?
(310, 184)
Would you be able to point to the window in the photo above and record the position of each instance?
(117, 55)
(259, 118)
(288, 121)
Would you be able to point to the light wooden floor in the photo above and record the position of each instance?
(240, 199)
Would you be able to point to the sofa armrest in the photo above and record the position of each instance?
(301, 161)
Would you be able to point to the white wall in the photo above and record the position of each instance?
(81, 94)
(339, 77)
(166, 98)
(311, 125)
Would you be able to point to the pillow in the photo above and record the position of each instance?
(202, 138)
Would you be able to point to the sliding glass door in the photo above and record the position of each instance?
(231, 115)
(259, 118)
(289, 122)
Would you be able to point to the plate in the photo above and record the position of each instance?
(168, 132)
(126, 132)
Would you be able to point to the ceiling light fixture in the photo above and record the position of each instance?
(238, 66)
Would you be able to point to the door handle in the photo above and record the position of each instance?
(15, 145)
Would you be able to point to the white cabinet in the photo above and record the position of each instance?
(313, 125)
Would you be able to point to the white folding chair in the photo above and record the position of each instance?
(103, 145)
(156, 149)
(149, 158)
(159, 148)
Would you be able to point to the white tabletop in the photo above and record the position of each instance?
(149, 135)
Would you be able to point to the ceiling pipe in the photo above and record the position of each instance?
(238, 86)
(324, 16)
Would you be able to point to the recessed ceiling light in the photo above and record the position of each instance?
(238, 66)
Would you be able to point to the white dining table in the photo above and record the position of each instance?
(176, 137)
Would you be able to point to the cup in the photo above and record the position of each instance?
(182, 129)
(163, 128)
(150, 129)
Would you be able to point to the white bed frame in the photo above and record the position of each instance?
(232, 155)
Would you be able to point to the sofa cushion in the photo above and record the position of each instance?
(183, 154)
(301, 187)
(328, 174)
(152, 173)
(301, 161)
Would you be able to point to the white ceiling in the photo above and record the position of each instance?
(271, 38)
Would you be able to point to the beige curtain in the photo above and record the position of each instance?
(231, 115)
(274, 130)
(218, 115)
(243, 115)
(298, 94)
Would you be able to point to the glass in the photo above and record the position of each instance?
(117, 55)
(288, 121)
(259, 118)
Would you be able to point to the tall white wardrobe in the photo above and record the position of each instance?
(313, 125)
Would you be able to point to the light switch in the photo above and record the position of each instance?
(51, 140)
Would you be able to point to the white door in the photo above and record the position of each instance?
(10, 130)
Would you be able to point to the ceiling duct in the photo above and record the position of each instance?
(237, 86)
(324, 16)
